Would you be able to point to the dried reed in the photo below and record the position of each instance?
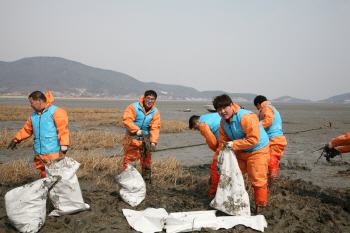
(17, 171)
(173, 126)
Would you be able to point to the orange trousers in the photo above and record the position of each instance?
(132, 152)
(215, 177)
(40, 161)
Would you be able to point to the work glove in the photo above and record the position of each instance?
(64, 149)
(228, 145)
(153, 147)
(330, 146)
(13, 145)
(139, 133)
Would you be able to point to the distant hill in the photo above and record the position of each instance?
(288, 99)
(69, 78)
(344, 98)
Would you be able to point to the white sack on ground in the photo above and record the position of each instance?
(133, 187)
(257, 222)
(147, 221)
(191, 221)
(66, 196)
(231, 196)
(26, 205)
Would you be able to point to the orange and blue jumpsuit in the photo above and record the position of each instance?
(209, 125)
(251, 147)
(343, 143)
(136, 118)
(271, 120)
(50, 129)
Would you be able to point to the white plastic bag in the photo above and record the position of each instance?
(133, 187)
(231, 196)
(66, 196)
(148, 220)
(26, 205)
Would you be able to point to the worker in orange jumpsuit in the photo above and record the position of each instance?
(342, 142)
(271, 121)
(241, 131)
(208, 125)
(141, 118)
(49, 124)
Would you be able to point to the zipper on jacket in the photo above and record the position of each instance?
(40, 132)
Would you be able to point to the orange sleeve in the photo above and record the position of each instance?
(251, 128)
(267, 114)
(129, 119)
(25, 132)
(223, 137)
(61, 120)
(155, 125)
(344, 149)
(342, 140)
(209, 136)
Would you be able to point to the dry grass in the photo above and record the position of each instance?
(102, 170)
(78, 140)
(173, 126)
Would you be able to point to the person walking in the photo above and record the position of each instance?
(241, 131)
(208, 125)
(271, 121)
(141, 119)
(49, 124)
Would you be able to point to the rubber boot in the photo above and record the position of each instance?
(260, 194)
(273, 169)
(147, 175)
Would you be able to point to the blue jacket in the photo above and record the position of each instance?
(45, 132)
(213, 121)
(142, 120)
(234, 130)
(275, 129)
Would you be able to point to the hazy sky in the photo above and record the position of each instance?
(299, 48)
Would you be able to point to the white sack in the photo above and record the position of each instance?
(191, 221)
(231, 196)
(66, 196)
(147, 221)
(257, 222)
(26, 205)
(133, 187)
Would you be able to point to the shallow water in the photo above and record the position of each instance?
(296, 118)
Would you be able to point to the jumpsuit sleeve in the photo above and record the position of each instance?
(268, 115)
(61, 120)
(209, 136)
(155, 125)
(223, 137)
(25, 132)
(343, 141)
(129, 118)
(251, 128)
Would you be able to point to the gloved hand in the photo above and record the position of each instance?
(330, 146)
(153, 147)
(139, 133)
(13, 145)
(64, 149)
(228, 145)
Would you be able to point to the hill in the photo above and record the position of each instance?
(289, 99)
(344, 98)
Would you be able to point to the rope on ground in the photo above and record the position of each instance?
(180, 147)
(303, 131)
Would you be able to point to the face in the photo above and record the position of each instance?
(35, 104)
(226, 112)
(149, 101)
(196, 126)
(258, 106)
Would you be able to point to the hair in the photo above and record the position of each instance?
(222, 101)
(259, 99)
(151, 92)
(192, 121)
(37, 95)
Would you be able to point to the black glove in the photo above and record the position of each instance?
(64, 149)
(13, 145)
